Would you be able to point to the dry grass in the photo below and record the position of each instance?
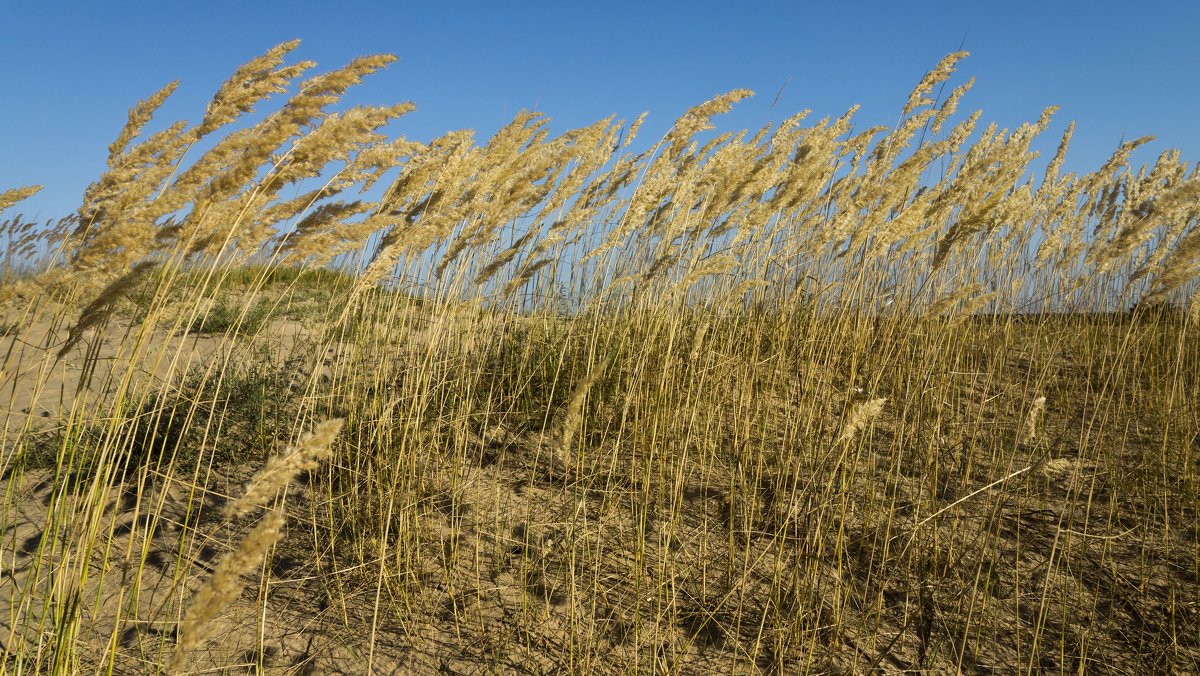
(811, 399)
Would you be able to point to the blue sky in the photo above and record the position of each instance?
(71, 70)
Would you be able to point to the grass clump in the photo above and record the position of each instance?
(811, 399)
(222, 317)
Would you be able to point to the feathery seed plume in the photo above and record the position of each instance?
(139, 116)
(862, 416)
(312, 448)
(251, 83)
(1029, 434)
(574, 410)
(11, 197)
(223, 587)
(933, 78)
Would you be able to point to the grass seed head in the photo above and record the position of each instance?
(308, 454)
(223, 587)
(860, 418)
(1029, 434)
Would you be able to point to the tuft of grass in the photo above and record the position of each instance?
(223, 317)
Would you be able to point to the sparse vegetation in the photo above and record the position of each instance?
(811, 399)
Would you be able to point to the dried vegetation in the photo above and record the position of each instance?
(806, 399)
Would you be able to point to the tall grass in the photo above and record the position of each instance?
(812, 398)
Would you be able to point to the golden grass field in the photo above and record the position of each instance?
(289, 395)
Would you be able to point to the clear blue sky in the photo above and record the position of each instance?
(70, 70)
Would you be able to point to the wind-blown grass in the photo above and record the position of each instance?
(810, 398)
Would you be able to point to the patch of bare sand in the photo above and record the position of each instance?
(39, 389)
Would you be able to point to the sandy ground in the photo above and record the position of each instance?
(157, 539)
(141, 572)
(527, 568)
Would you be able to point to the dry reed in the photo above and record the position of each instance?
(685, 325)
